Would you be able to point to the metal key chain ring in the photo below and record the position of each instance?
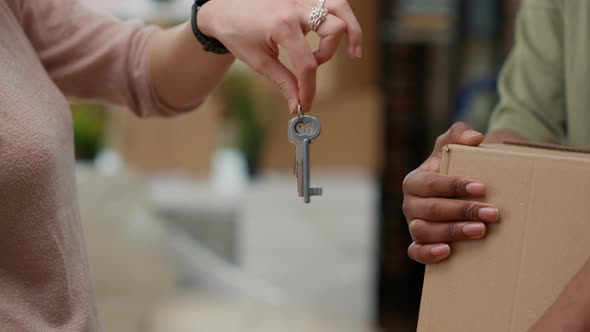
(305, 136)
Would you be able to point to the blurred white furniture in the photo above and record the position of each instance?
(187, 314)
(318, 256)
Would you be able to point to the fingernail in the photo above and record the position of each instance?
(475, 189)
(488, 214)
(470, 134)
(474, 230)
(293, 105)
(440, 250)
(358, 52)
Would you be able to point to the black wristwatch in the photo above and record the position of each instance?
(209, 44)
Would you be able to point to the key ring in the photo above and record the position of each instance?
(301, 136)
(299, 112)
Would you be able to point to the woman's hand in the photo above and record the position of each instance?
(252, 31)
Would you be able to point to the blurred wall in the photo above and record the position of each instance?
(348, 104)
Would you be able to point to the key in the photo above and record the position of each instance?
(303, 130)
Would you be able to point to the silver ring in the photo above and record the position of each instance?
(318, 15)
(299, 112)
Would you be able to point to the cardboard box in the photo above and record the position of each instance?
(506, 281)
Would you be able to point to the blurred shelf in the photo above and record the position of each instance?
(423, 29)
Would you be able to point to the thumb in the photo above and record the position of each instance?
(460, 133)
(284, 80)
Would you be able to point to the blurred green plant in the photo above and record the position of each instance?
(89, 130)
(240, 112)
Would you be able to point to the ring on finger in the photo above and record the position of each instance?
(318, 15)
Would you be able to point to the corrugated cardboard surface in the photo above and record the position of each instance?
(506, 281)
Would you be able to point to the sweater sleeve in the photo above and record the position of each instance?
(532, 87)
(93, 56)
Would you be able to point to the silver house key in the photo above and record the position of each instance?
(303, 130)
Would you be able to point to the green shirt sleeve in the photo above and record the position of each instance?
(532, 80)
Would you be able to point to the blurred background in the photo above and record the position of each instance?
(194, 224)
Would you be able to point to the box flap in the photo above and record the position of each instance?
(547, 146)
(519, 149)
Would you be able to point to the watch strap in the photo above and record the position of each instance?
(210, 44)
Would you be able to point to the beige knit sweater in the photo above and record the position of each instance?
(48, 49)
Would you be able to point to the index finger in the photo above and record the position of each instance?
(429, 184)
(304, 64)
